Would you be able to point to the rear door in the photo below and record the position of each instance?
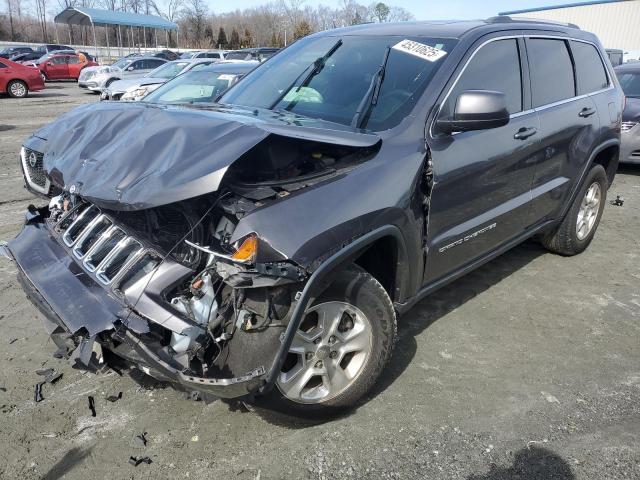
(74, 66)
(569, 124)
(481, 195)
(136, 69)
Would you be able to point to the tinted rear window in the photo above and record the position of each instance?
(590, 70)
(552, 77)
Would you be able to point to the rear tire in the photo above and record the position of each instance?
(579, 226)
(342, 356)
(17, 89)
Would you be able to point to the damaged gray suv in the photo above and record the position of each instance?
(261, 243)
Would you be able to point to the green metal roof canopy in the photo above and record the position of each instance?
(95, 17)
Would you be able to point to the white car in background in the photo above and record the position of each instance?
(215, 54)
(97, 79)
(136, 88)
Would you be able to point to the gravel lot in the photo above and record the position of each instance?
(528, 368)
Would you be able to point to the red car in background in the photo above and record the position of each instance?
(18, 80)
(63, 66)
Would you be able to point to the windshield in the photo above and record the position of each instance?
(630, 82)
(167, 70)
(335, 90)
(195, 86)
(122, 63)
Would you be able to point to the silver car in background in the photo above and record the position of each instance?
(97, 79)
(200, 86)
(629, 77)
(136, 88)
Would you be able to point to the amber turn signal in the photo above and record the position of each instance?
(247, 251)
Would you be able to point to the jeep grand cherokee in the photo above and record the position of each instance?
(262, 244)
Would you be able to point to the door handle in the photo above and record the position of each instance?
(587, 112)
(525, 133)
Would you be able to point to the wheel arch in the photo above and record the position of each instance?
(321, 278)
(608, 155)
(606, 150)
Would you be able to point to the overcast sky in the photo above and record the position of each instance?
(422, 9)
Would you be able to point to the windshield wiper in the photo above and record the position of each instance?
(316, 67)
(370, 98)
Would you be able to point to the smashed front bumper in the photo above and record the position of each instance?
(82, 318)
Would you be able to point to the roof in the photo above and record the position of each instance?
(93, 16)
(442, 28)
(447, 28)
(556, 7)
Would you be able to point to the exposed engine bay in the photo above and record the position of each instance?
(187, 302)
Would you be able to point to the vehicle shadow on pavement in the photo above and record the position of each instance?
(445, 300)
(629, 169)
(67, 463)
(533, 463)
(47, 95)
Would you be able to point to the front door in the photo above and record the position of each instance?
(482, 179)
(57, 68)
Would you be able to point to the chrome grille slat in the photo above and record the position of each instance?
(105, 237)
(101, 270)
(113, 260)
(66, 237)
(87, 232)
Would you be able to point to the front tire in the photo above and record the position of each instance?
(340, 349)
(17, 89)
(578, 228)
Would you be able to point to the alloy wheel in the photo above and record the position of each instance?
(328, 353)
(588, 213)
(18, 89)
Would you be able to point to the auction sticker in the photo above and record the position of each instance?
(421, 50)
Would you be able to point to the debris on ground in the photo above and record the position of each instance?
(141, 439)
(38, 393)
(135, 461)
(114, 398)
(550, 398)
(194, 396)
(50, 375)
(3, 388)
(618, 202)
(92, 406)
(195, 438)
(12, 340)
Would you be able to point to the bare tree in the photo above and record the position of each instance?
(41, 12)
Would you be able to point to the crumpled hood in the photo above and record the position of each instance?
(131, 156)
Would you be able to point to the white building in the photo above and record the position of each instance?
(615, 22)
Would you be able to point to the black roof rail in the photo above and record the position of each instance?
(508, 19)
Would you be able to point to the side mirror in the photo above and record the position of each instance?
(49, 64)
(477, 110)
(129, 69)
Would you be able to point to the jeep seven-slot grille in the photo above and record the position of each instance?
(104, 248)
